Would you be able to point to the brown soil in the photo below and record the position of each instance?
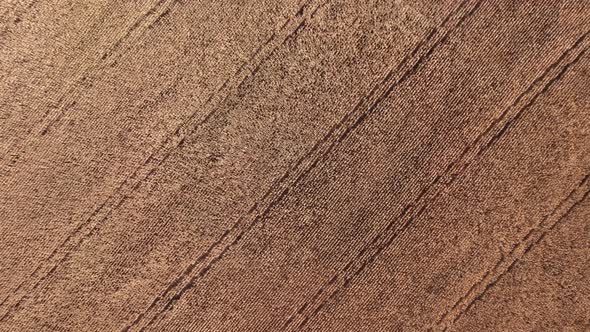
(304, 165)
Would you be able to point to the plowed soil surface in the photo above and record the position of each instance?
(297, 165)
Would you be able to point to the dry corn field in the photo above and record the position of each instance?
(294, 165)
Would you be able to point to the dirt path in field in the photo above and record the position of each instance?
(312, 165)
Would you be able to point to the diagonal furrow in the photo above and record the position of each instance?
(301, 168)
(124, 191)
(484, 142)
(518, 251)
(71, 92)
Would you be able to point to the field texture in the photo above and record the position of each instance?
(294, 165)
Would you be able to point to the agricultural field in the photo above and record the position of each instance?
(296, 165)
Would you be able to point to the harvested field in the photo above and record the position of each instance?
(298, 165)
